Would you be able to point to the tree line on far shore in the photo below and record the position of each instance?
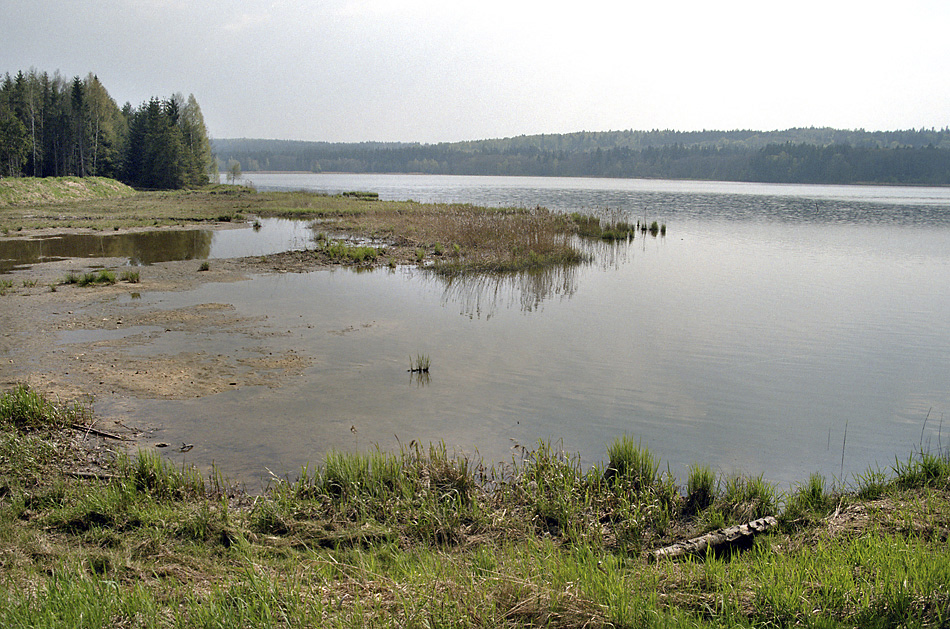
(806, 155)
(51, 126)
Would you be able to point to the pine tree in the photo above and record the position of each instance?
(14, 142)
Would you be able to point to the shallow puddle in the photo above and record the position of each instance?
(164, 245)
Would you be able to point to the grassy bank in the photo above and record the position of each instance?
(123, 208)
(30, 192)
(425, 538)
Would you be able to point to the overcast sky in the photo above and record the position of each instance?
(446, 70)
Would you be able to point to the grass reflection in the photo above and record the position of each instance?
(481, 294)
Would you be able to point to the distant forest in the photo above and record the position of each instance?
(51, 126)
(806, 155)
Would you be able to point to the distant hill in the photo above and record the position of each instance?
(806, 155)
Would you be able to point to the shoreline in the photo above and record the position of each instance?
(94, 532)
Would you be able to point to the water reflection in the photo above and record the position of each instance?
(419, 378)
(610, 254)
(139, 248)
(483, 294)
(265, 236)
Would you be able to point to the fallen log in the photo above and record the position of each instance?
(720, 540)
(96, 431)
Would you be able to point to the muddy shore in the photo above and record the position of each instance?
(67, 340)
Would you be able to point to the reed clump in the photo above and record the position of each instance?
(610, 226)
(456, 238)
(362, 194)
(497, 240)
(419, 364)
(701, 489)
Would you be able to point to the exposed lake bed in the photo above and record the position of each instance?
(780, 348)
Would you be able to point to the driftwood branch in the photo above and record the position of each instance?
(718, 540)
(92, 475)
(96, 431)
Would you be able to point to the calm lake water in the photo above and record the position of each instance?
(780, 330)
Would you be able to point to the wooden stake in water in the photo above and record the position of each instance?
(843, 442)
(922, 429)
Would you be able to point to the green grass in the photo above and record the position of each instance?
(346, 253)
(25, 409)
(103, 277)
(924, 470)
(701, 488)
(426, 537)
(749, 497)
(629, 461)
(810, 499)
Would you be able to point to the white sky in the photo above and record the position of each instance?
(445, 70)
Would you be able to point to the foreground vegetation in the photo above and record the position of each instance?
(425, 538)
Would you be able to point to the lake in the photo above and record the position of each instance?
(775, 329)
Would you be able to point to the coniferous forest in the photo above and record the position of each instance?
(805, 155)
(51, 126)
